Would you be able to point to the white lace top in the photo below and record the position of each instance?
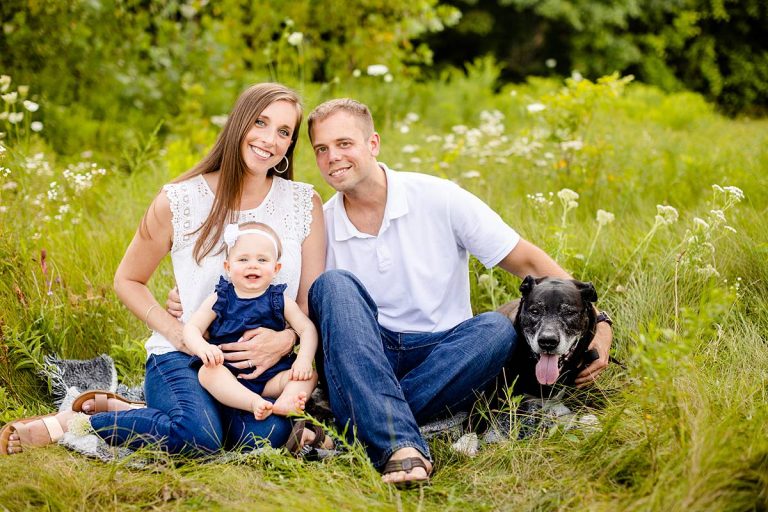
(287, 208)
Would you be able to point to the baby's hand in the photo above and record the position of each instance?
(301, 370)
(211, 356)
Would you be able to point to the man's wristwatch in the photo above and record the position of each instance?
(602, 316)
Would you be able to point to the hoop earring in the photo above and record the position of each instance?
(287, 164)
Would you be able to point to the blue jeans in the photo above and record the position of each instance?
(386, 383)
(183, 418)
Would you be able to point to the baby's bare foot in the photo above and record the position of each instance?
(288, 404)
(261, 408)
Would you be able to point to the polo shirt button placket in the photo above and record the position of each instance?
(383, 257)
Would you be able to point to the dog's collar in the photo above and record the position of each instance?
(603, 316)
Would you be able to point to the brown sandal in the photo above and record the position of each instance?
(101, 401)
(407, 465)
(293, 445)
(52, 425)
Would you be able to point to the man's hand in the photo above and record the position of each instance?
(258, 349)
(602, 344)
(173, 303)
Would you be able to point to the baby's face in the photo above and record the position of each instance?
(252, 264)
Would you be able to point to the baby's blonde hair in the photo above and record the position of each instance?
(261, 227)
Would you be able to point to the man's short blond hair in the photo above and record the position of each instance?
(348, 105)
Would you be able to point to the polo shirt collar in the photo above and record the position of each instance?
(397, 206)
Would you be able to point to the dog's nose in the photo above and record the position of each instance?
(547, 343)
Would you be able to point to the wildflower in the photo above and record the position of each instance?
(567, 195)
(700, 223)
(295, 38)
(576, 76)
(31, 105)
(188, 11)
(604, 217)
(730, 228)
(23, 90)
(411, 117)
(5, 82)
(410, 148)
(288, 22)
(3, 209)
(377, 70)
(36, 126)
(2, 149)
(734, 193)
(219, 121)
(471, 174)
(10, 98)
(404, 128)
(3, 116)
(536, 107)
(459, 129)
(415, 160)
(718, 215)
(708, 271)
(388, 77)
(574, 145)
(356, 73)
(15, 117)
(666, 214)
(11, 185)
(550, 63)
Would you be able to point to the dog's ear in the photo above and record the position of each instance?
(587, 290)
(527, 285)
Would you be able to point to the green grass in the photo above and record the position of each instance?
(683, 427)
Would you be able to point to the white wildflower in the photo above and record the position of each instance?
(471, 174)
(3, 209)
(573, 145)
(550, 63)
(730, 228)
(23, 90)
(536, 107)
(567, 195)
(5, 82)
(10, 98)
(295, 38)
(31, 105)
(288, 22)
(36, 126)
(708, 271)
(15, 117)
(666, 214)
(410, 148)
(459, 129)
(404, 128)
(377, 70)
(604, 217)
(356, 73)
(576, 76)
(220, 120)
(734, 193)
(11, 185)
(700, 223)
(80, 425)
(415, 160)
(717, 214)
(388, 77)
(412, 117)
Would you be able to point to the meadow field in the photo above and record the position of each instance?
(657, 199)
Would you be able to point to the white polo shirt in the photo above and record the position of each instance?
(417, 268)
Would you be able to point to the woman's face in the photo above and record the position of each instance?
(265, 144)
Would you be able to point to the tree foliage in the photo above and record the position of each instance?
(716, 47)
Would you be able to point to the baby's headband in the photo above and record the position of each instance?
(232, 232)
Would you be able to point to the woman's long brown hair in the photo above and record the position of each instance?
(226, 157)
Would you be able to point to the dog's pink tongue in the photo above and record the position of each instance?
(547, 370)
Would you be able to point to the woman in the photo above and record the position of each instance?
(236, 182)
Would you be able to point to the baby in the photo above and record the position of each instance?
(247, 301)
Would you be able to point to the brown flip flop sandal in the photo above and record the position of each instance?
(293, 445)
(101, 397)
(55, 432)
(407, 465)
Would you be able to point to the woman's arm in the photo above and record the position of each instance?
(195, 328)
(312, 254)
(302, 367)
(151, 242)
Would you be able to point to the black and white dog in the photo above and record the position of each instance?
(555, 323)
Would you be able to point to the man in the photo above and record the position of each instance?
(400, 345)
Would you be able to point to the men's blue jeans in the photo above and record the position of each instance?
(384, 383)
(183, 418)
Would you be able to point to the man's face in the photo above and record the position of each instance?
(344, 154)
